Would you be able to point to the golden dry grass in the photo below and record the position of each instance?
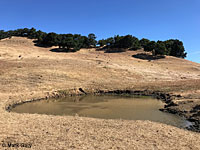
(29, 72)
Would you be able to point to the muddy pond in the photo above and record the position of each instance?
(105, 107)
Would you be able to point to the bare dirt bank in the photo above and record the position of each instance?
(28, 72)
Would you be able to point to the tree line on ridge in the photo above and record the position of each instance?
(74, 42)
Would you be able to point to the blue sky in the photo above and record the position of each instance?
(152, 19)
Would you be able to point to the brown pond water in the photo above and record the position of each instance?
(105, 107)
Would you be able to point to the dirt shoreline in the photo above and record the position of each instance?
(170, 107)
(39, 73)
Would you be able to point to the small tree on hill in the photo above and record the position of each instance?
(160, 48)
(32, 33)
(136, 44)
(110, 41)
(102, 42)
(2, 34)
(50, 40)
(150, 47)
(92, 40)
(175, 48)
(143, 42)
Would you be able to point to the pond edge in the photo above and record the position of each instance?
(167, 98)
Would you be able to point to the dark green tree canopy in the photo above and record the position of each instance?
(125, 42)
(169, 47)
(143, 42)
(92, 40)
(74, 42)
(102, 42)
(175, 48)
(160, 48)
(150, 46)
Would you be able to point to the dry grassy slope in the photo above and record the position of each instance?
(40, 69)
(27, 72)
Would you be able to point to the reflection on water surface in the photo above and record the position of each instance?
(106, 107)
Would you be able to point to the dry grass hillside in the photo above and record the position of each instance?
(31, 72)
